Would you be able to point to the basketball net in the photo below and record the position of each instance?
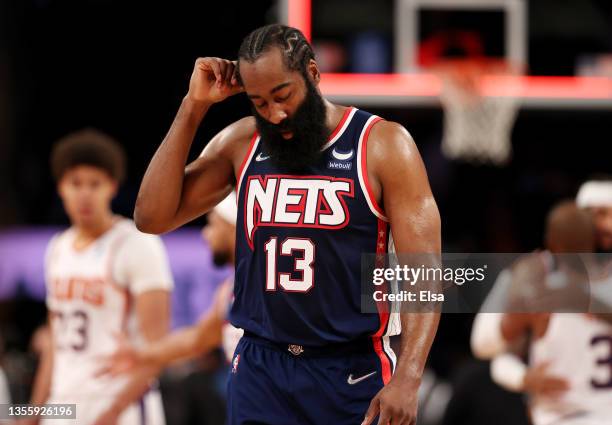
(477, 128)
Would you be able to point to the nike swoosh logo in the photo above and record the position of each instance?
(260, 157)
(352, 381)
(343, 156)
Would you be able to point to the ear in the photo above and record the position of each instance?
(60, 188)
(313, 71)
(115, 188)
(61, 185)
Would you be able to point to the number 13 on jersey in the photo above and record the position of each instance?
(303, 264)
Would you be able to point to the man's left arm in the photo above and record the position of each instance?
(147, 270)
(398, 177)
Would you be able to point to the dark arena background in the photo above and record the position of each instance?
(123, 68)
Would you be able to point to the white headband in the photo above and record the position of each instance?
(227, 209)
(595, 194)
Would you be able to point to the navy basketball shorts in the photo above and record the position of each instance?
(276, 384)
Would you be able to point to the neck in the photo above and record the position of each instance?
(97, 229)
(333, 114)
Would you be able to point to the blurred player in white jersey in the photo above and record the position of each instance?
(569, 376)
(104, 278)
(213, 329)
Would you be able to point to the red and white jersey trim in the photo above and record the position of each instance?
(342, 126)
(247, 160)
(362, 169)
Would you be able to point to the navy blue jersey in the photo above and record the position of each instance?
(299, 242)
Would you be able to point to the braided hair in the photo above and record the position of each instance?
(295, 49)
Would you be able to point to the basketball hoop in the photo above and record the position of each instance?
(477, 127)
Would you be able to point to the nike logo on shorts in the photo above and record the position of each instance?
(354, 381)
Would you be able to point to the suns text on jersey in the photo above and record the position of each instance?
(90, 290)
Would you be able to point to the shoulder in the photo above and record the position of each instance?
(128, 246)
(390, 132)
(133, 242)
(142, 261)
(238, 131)
(390, 141)
(54, 245)
(394, 162)
(234, 138)
(58, 239)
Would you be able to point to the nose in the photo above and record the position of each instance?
(84, 193)
(277, 114)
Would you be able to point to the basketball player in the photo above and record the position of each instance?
(213, 329)
(568, 378)
(318, 184)
(595, 196)
(103, 277)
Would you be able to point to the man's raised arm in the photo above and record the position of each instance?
(171, 194)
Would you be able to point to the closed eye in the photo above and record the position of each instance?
(278, 100)
(282, 99)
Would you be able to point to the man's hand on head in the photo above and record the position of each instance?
(213, 80)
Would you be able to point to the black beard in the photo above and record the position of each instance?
(220, 258)
(309, 134)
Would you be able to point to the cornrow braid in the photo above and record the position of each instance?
(296, 50)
